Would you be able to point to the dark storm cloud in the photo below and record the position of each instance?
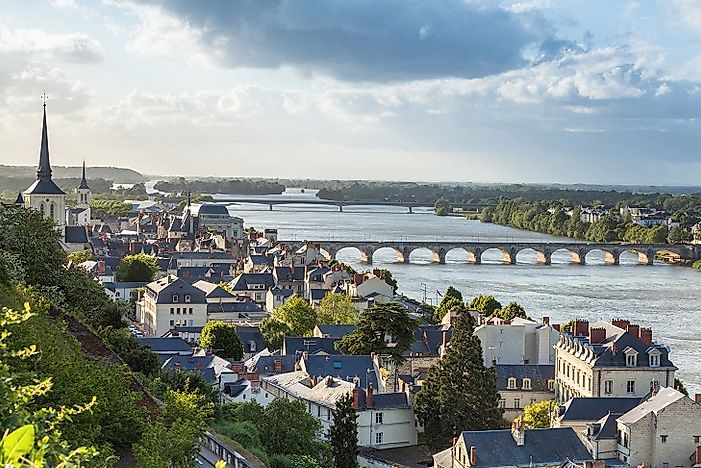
(362, 40)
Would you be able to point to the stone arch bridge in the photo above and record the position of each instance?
(509, 250)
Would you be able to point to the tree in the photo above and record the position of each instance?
(80, 256)
(385, 329)
(336, 308)
(222, 339)
(298, 315)
(288, 429)
(459, 394)
(486, 304)
(452, 300)
(442, 207)
(679, 386)
(344, 434)
(511, 311)
(274, 332)
(174, 439)
(182, 381)
(139, 358)
(537, 415)
(138, 267)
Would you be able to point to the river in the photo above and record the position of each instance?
(664, 297)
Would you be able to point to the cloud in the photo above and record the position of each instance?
(366, 40)
(76, 48)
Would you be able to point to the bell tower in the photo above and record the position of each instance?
(84, 194)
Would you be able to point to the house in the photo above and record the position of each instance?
(165, 348)
(520, 341)
(610, 359)
(290, 278)
(215, 370)
(518, 447)
(275, 297)
(253, 285)
(358, 369)
(522, 385)
(252, 340)
(413, 456)
(170, 302)
(245, 388)
(296, 346)
(664, 431)
(385, 420)
(123, 290)
(314, 286)
(256, 263)
(332, 331)
(577, 413)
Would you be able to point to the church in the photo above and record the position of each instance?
(48, 198)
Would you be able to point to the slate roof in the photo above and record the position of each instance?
(344, 367)
(209, 209)
(336, 331)
(166, 345)
(665, 397)
(604, 428)
(260, 260)
(251, 335)
(76, 235)
(542, 446)
(212, 290)
(317, 294)
(538, 373)
(44, 187)
(243, 281)
(317, 274)
(265, 365)
(20, 199)
(593, 409)
(288, 274)
(236, 306)
(428, 340)
(281, 292)
(295, 346)
(390, 400)
(171, 286)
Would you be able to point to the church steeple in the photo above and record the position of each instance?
(44, 169)
(83, 181)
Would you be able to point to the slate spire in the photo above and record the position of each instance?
(44, 169)
(83, 181)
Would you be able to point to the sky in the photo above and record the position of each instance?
(590, 91)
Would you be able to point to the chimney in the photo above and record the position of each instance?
(599, 464)
(634, 330)
(697, 398)
(546, 320)
(101, 267)
(581, 328)
(356, 398)
(312, 382)
(369, 397)
(277, 366)
(518, 432)
(473, 455)
(698, 455)
(556, 326)
(620, 323)
(597, 335)
(444, 338)
(646, 336)
(305, 355)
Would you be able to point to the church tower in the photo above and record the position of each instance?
(84, 195)
(44, 195)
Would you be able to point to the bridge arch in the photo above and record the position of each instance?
(507, 255)
(576, 255)
(646, 255)
(364, 253)
(399, 253)
(435, 255)
(611, 256)
(541, 254)
(458, 253)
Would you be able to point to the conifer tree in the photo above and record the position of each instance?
(460, 394)
(344, 434)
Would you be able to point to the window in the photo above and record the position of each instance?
(172, 311)
(187, 298)
(175, 298)
(631, 360)
(697, 439)
(517, 403)
(663, 439)
(630, 387)
(318, 411)
(502, 403)
(379, 437)
(190, 311)
(511, 384)
(378, 418)
(172, 322)
(654, 360)
(551, 385)
(52, 210)
(608, 387)
(527, 384)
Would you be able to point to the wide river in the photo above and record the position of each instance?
(664, 297)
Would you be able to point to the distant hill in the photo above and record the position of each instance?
(118, 175)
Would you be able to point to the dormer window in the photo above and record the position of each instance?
(654, 356)
(188, 298)
(175, 298)
(511, 383)
(527, 384)
(551, 385)
(631, 357)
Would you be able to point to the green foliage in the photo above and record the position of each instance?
(442, 207)
(222, 339)
(452, 300)
(174, 440)
(537, 415)
(32, 433)
(139, 358)
(486, 304)
(240, 186)
(294, 318)
(679, 386)
(181, 381)
(337, 308)
(511, 311)
(376, 325)
(80, 256)
(344, 434)
(568, 326)
(138, 267)
(104, 208)
(459, 394)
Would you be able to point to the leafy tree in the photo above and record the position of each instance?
(452, 299)
(679, 386)
(511, 311)
(139, 358)
(80, 256)
(298, 315)
(344, 434)
(459, 394)
(288, 429)
(486, 304)
(442, 207)
(103, 208)
(537, 415)
(336, 308)
(568, 326)
(174, 440)
(274, 332)
(385, 329)
(451, 293)
(138, 267)
(222, 339)
(182, 381)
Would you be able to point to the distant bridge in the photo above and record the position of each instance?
(341, 203)
(544, 250)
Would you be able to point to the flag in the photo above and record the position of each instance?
(439, 293)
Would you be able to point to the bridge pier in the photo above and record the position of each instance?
(410, 210)
(544, 257)
(645, 257)
(438, 257)
(474, 257)
(340, 208)
(612, 258)
(270, 206)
